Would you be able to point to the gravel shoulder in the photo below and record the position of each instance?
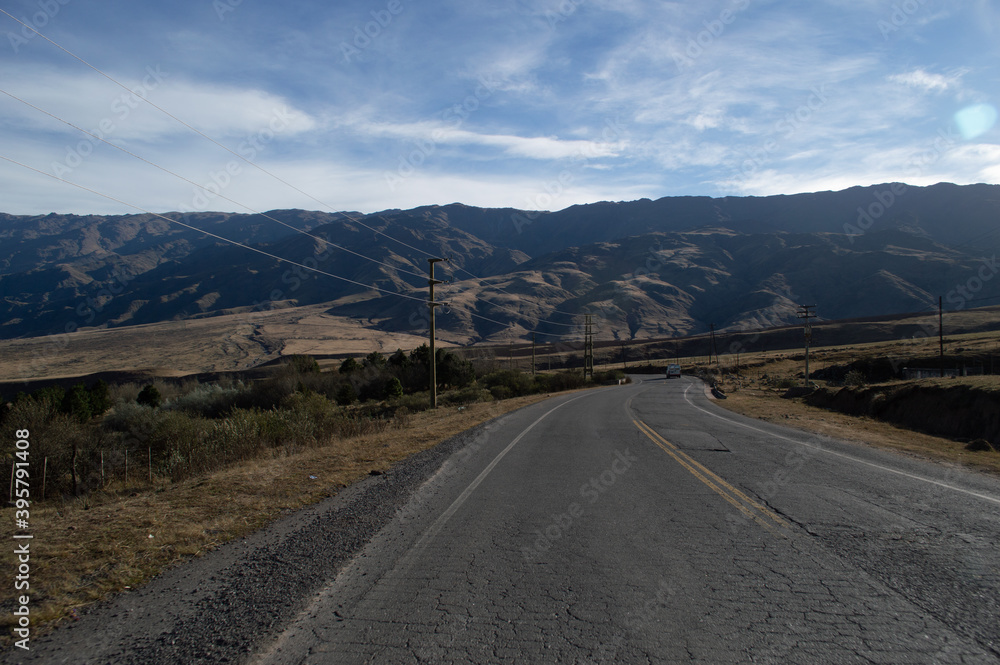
(220, 607)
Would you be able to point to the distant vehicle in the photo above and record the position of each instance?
(673, 371)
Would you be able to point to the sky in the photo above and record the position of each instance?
(533, 104)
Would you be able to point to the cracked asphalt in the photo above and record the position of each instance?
(629, 524)
(712, 538)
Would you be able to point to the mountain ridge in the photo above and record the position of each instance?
(647, 268)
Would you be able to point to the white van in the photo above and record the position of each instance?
(673, 371)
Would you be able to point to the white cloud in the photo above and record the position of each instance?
(927, 81)
(538, 147)
(97, 105)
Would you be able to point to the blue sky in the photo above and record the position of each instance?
(535, 104)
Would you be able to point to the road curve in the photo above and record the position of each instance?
(642, 523)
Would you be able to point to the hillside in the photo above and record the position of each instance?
(644, 268)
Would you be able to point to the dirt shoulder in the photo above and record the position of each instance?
(766, 404)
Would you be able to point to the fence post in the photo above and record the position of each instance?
(149, 463)
(45, 469)
(126, 469)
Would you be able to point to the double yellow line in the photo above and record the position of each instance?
(750, 508)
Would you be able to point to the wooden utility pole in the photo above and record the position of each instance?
(532, 354)
(805, 314)
(588, 349)
(431, 303)
(713, 349)
(941, 334)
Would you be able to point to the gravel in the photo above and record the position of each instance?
(222, 607)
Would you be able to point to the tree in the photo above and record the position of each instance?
(399, 359)
(77, 403)
(349, 366)
(375, 359)
(149, 396)
(304, 364)
(100, 400)
(394, 388)
(346, 395)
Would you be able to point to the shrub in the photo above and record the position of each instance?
(393, 388)
(467, 395)
(149, 396)
(76, 403)
(374, 359)
(209, 400)
(349, 366)
(303, 364)
(346, 395)
(512, 382)
(100, 398)
(855, 379)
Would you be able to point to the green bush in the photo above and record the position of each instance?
(510, 383)
(149, 396)
(467, 395)
(210, 400)
(349, 366)
(346, 395)
(393, 388)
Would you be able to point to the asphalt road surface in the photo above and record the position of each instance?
(642, 523)
(629, 524)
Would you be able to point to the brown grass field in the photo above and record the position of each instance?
(91, 548)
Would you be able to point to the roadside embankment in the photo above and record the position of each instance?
(963, 409)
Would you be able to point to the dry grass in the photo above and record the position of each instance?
(763, 403)
(84, 551)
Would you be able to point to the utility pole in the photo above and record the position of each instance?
(532, 354)
(510, 356)
(711, 327)
(431, 303)
(941, 334)
(624, 362)
(805, 315)
(588, 349)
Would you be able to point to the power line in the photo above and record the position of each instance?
(242, 157)
(206, 189)
(210, 234)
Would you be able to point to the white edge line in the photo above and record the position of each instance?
(985, 497)
(439, 523)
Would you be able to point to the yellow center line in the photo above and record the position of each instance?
(762, 509)
(713, 481)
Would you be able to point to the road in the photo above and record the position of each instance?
(642, 523)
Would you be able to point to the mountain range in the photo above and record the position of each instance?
(644, 269)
